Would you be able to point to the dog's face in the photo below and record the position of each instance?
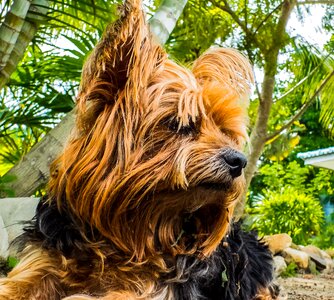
(192, 129)
(189, 137)
(155, 165)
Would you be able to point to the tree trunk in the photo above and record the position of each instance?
(259, 132)
(33, 170)
(16, 32)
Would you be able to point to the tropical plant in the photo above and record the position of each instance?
(53, 38)
(288, 211)
(275, 176)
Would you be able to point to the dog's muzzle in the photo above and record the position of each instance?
(235, 161)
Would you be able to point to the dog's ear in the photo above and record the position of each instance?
(226, 77)
(122, 61)
(226, 67)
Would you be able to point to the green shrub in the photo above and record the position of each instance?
(289, 211)
(325, 239)
(290, 271)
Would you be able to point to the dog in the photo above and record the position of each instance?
(140, 202)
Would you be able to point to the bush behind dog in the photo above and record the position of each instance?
(288, 211)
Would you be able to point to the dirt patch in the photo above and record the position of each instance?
(308, 287)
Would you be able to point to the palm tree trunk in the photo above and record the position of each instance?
(16, 32)
(165, 18)
(33, 170)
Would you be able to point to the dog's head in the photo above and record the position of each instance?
(155, 163)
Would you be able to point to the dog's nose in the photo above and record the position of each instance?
(236, 161)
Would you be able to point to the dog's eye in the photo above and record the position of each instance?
(231, 135)
(189, 129)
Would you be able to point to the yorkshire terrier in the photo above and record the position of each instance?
(140, 202)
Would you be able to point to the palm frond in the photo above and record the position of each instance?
(323, 77)
(310, 79)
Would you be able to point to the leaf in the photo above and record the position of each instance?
(12, 262)
(224, 276)
(7, 178)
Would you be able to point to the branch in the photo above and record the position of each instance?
(256, 83)
(242, 25)
(246, 13)
(287, 7)
(267, 17)
(259, 132)
(303, 109)
(258, 92)
(302, 81)
(329, 2)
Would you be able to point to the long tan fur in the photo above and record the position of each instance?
(34, 277)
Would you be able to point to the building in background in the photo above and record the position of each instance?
(323, 158)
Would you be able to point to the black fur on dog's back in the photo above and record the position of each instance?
(52, 229)
(240, 266)
(235, 271)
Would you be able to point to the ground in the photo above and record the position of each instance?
(308, 287)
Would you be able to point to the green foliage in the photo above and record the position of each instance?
(290, 271)
(324, 240)
(12, 262)
(4, 190)
(200, 26)
(278, 175)
(43, 87)
(312, 81)
(312, 136)
(288, 211)
(322, 182)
